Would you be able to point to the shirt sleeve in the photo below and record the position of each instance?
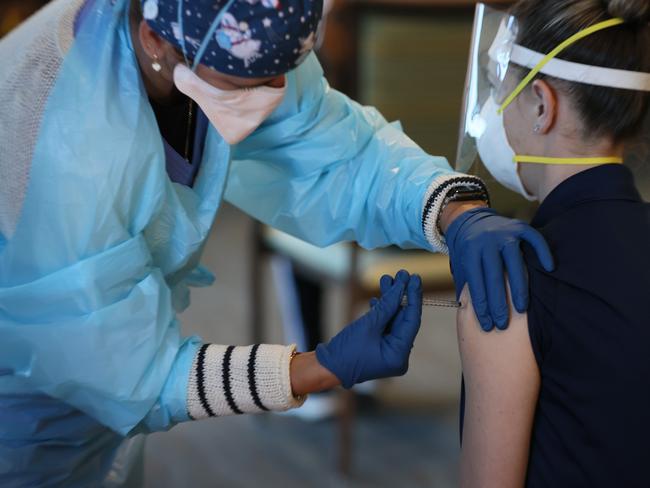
(325, 169)
(541, 310)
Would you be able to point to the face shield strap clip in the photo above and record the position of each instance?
(564, 45)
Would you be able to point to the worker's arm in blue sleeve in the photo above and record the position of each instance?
(102, 336)
(325, 169)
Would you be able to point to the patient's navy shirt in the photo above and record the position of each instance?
(589, 324)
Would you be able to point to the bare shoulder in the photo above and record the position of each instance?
(472, 339)
(502, 385)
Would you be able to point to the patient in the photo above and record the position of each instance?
(562, 397)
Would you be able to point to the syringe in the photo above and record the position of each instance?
(433, 302)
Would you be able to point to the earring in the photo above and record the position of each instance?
(156, 65)
(537, 128)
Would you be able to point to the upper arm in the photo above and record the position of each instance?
(502, 383)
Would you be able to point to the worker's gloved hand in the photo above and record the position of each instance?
(377, 345)
(482, 246)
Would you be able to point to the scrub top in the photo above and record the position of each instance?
(179, 169)
(589, 324)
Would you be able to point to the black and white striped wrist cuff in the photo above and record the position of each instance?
(229, 380)
(434, 199)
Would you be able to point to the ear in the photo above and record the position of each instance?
(545, 99)
(152, 43)
(158, 49)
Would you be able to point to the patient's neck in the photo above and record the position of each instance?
(541, 179)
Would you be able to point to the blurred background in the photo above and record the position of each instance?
(408, 58)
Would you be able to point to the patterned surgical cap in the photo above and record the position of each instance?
(252, 39)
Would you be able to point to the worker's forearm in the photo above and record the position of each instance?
(308, 376)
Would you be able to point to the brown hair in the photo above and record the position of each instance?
(544, 24)
(136, 11)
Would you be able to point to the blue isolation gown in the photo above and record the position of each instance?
(98, 264)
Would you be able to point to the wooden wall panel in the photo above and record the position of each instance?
(13, 12)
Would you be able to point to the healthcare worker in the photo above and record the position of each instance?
(123, 126)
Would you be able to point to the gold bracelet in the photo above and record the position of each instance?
(295, 353)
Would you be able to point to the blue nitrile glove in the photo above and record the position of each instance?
(480, 244)
(377, 345)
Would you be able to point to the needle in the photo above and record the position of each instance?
(432, 302)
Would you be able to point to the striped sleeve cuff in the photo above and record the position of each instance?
(433, 202)
(229, 380)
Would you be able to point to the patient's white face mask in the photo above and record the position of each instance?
(234, 113)
(497, 153)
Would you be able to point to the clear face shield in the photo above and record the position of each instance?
(495, 33)
(499, 70)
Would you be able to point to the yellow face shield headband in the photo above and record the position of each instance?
(535, 71)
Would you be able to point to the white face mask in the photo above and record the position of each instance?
(496, 152)
(234, 113)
